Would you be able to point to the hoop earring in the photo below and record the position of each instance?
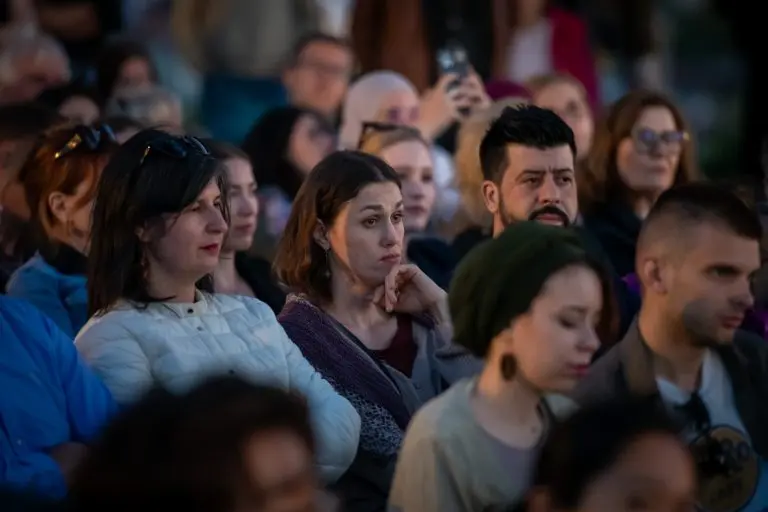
(508, 367)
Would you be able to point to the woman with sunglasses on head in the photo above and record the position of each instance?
(642, 148)
(60, 178)
(160, 221)
(536, 320)
(375, 327)
(410, 156)
(238, 273)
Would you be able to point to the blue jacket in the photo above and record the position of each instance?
(62, 297)
(47, 397)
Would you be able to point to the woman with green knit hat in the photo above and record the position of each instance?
(534, 305)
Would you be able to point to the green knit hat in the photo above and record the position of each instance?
(500, 278)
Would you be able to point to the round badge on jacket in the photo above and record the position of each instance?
(729, 469)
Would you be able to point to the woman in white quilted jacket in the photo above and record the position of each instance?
(159, 221)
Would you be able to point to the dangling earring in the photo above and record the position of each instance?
(508, 366)
(327, 264)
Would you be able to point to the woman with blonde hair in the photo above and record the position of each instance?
(567, 97)
(388, 97)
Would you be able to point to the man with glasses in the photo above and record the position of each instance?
(696, 255)
(318, 74)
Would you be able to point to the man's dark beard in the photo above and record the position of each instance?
(551, 210)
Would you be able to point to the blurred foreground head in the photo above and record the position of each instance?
(225, 445)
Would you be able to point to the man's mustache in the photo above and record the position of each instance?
(550, 210)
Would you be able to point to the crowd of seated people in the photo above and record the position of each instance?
(337, 311)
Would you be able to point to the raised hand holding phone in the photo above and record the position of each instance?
(457, 94)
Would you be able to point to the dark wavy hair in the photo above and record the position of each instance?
(143, 184)
(300, 263)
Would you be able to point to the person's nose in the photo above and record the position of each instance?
(591, 341)
(743, 298)
(390, 234)
(549, 192)
(414, 190)
(248, 207)
(216, 222)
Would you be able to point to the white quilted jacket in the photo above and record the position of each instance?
(178, 344)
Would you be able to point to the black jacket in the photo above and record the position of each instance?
(257, 273)
(616, 227)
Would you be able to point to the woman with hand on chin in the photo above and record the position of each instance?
(377, 329)
(410, 156)
(159, 222)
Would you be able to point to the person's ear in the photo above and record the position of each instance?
(144, 234)
(57, 204)
(491, 196)
(320, 235)
(652, 276)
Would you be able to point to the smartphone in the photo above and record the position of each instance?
(452, 58)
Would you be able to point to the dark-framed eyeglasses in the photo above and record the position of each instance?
(372, 127)
(666, 142)
(175, 147)
(90, 137)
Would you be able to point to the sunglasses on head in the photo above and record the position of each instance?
(90, 137)
(373, 127)
(176, 147)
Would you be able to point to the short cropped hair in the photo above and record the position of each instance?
(526, 125)
(702, 203)
(314, 37)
